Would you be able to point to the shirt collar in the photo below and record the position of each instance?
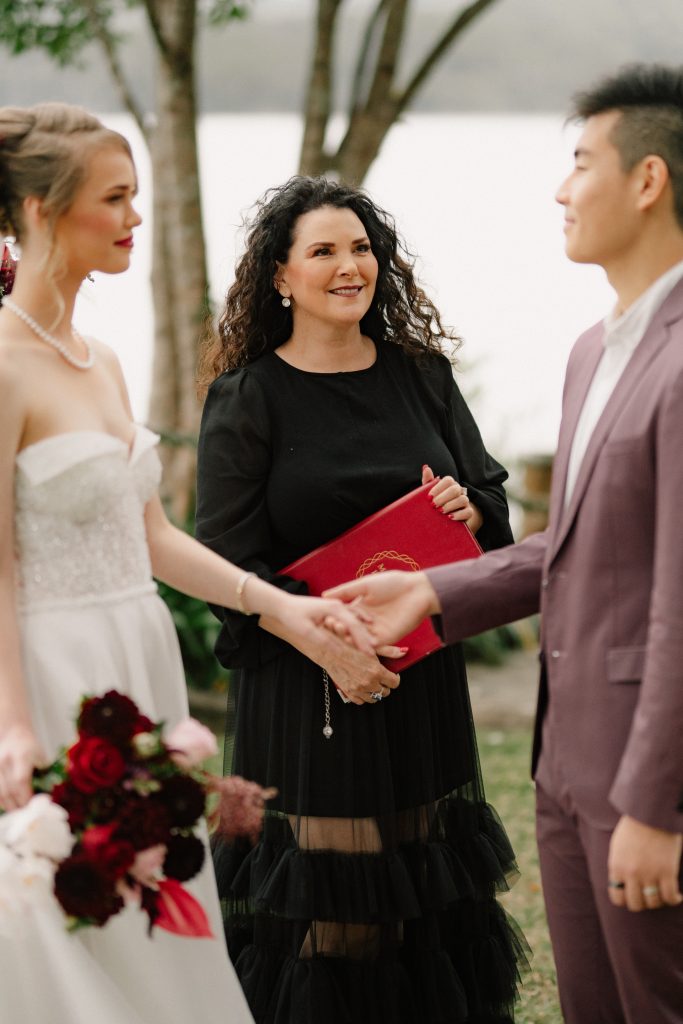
(626, 331)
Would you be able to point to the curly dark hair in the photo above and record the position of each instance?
(254, 321)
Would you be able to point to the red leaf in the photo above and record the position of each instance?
(180, 913)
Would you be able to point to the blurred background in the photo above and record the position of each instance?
(469, 166)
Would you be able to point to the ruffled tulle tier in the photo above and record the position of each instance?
(418, 877)
(411, 985)
(438, 947)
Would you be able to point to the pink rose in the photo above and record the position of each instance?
(190, 743)
(148, 864)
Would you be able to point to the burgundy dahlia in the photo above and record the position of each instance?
(112, 717)
(184, 800)
(143, 822)
(86, 890)
(184, 857)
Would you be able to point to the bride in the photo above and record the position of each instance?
(82, 533)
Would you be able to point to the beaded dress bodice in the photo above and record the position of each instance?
(79, 518)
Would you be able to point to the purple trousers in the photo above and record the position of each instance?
(613, 966)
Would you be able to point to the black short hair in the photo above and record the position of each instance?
(650, 100)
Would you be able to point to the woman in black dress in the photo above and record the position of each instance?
(371, 895)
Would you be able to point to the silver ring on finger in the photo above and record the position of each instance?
(612, 884)
(650, 890)
(377, 695)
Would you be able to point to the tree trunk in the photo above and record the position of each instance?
(179, 278)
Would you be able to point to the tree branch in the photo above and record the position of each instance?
(387, 58)
(319, 93)
(106, 40)
(364, 52)
(461, 22)
(155, 24)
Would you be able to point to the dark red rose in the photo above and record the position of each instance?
(84, 889)
(112, 717)
(184, 857)
(114, 856)
(94, 764)
(75, 803)
(184, 799)
(143, 822)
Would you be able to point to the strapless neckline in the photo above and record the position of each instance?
(65, 435)
(51, 455)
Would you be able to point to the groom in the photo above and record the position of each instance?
(607, 575)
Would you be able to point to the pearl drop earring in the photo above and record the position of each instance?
(286, 302)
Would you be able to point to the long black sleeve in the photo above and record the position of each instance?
(233, 463)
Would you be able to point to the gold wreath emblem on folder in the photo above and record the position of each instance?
(376, 563)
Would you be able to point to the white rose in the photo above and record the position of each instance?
(41, 828)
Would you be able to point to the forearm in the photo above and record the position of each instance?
(192, 568)
(499, 587)
(14, 707)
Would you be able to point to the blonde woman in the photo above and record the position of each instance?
(82, 533)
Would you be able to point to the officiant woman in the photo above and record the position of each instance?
(371, 896)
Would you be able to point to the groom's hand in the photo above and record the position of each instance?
(397, 602)
(643, 866)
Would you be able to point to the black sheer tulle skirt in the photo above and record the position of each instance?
(371, 897)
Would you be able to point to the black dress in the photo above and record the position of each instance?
(370, 898)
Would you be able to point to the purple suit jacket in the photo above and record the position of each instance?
(607, 575)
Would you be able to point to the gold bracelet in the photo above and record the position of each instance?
(239, 592)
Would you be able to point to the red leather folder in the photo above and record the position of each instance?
(409, 534)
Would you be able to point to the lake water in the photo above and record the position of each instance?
(472, 194)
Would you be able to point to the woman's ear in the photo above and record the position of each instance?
(279, 281)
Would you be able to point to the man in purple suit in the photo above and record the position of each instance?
(607, 575)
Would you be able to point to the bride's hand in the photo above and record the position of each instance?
(312, 619)
(396, 602)
(19, 753)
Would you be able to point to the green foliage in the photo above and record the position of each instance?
(221, 11)
(493, 646)
(61, 27)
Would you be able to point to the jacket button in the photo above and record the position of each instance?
(545, 582)
(555, 654)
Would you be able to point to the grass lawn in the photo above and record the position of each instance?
(505, 759)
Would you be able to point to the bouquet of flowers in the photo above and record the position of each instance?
(113, 821)
(8, 264)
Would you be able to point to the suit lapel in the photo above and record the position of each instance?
(655, 337)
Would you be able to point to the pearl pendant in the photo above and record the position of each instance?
(327, 731)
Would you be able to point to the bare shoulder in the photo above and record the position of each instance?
(14, 397)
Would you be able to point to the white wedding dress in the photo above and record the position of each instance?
(91, 621)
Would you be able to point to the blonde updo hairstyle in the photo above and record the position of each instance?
(44, 152)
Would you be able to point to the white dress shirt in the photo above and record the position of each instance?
(622, 336)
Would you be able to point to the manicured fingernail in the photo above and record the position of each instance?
(404, 650)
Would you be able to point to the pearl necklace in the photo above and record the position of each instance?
(80, 364)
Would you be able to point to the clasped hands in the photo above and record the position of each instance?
(389, 605)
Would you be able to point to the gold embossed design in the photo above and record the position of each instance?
(376, 563)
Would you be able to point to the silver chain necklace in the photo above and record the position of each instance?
(80, 364)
